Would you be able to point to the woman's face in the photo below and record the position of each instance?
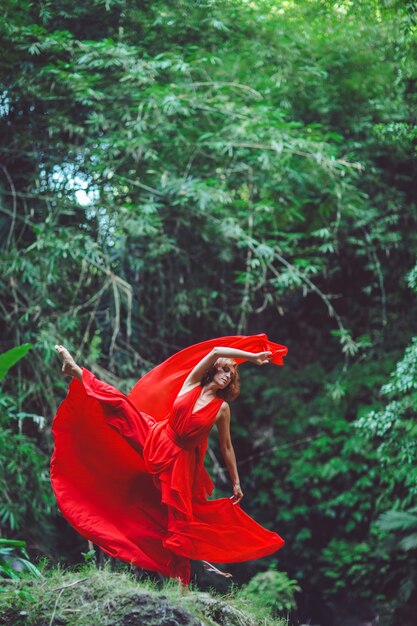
(223, 376)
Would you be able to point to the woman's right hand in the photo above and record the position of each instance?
(237, 494)
(262, 358)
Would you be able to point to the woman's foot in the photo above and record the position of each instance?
(209, 567)
(69, 366)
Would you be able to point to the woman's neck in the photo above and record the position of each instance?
(210, 389)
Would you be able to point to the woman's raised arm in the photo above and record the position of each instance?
(195, 376)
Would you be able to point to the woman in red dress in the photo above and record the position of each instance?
(128, 471)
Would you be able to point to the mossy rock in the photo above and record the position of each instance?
(104, 598)
(220, 612)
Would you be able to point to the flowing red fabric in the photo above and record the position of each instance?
(155, 392)
(128, 472)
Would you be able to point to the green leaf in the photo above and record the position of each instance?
(9, 358)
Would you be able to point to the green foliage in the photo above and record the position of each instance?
(10, 563)
(27, 503)
(401, 530)
(272, 589)
(153, 141)
(402, 521)
(88, 556)
(8, 359)
(393, 426)
(361, 566)
(24, 481)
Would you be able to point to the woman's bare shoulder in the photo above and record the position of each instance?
(224, 411)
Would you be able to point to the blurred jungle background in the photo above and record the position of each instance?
(172, 171)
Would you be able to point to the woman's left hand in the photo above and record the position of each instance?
(237, 494)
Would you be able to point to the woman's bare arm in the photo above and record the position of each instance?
(228, 453)
(259, 358)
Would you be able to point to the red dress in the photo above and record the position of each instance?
(136, 485)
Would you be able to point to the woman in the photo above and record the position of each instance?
(128, 472)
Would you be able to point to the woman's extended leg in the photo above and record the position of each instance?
(69, 366)
(116, 409)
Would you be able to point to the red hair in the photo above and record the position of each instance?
(230, 392)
